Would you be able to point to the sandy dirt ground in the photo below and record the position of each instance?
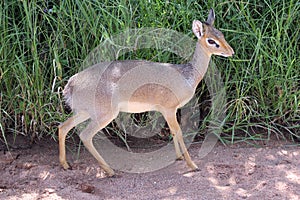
(228, 172)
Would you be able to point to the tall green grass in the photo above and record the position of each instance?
(43, 43)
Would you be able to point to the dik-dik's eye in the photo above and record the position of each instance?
(212, 42)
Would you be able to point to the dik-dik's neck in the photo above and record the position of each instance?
(200, 63)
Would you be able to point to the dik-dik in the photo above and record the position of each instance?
(97, 93)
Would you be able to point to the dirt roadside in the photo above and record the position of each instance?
(228, 172)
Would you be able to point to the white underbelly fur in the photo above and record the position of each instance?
(136, 107)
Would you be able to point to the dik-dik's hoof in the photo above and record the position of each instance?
(115, 176)
(110, 173)
(65, 165)
(179, 158)
(193, 166)
(192, 171)
(196, 170)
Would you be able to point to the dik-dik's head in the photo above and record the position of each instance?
(211, 39)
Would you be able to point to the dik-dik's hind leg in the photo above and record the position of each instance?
(63, 130)
(86, 137)
(176, 131)
(177, 148)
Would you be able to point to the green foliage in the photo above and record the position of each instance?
(42, 43)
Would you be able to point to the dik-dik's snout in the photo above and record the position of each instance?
(231, 52)
(228, 50)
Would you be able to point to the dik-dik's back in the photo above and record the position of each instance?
(102, 91)
(130, 86)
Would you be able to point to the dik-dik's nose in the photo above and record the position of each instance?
(232, 51)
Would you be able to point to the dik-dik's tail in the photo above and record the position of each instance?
(68, 91)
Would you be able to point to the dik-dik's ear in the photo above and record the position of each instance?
(211, 17)
(197, 28)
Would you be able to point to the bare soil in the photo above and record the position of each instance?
(241, 171)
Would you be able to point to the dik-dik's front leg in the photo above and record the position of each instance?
(170, 117)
